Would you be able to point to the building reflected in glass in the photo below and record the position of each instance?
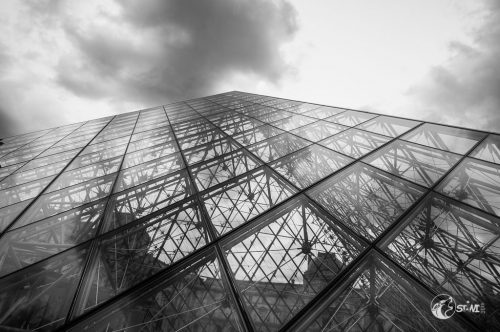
(242, 212)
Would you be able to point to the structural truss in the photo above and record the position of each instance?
(242, 212)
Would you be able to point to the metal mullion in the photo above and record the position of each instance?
(94, 242)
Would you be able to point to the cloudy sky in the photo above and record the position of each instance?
(69, 61)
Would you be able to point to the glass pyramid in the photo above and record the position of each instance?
(242, 212)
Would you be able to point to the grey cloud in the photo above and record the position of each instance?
(188, 47)
(466, 90)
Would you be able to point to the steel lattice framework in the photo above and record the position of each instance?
(243, 212)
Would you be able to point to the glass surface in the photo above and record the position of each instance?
(319, 130)
(354, 143)
(243, 212)
(220, 170)
(378, 297)
(413, 162)
(278, 146)
(444, 138)
(474, 182)
(309, 165)
(27, 245)
(246, 197)
(126, 258)
(489, 149)
(147, 198)
(452, 248)
(365, 199)
(196, 298)
(388, 126)
(288, 257)
(351, 118)
(38, 298)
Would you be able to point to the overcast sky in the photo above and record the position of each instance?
(68, 61)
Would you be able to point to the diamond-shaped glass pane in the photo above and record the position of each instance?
(414, 162)
(365, 199)
(309, 165)
(248, 196)
(290, 255)
(489, 149)
(474, 182)
(319, 130)
(351, 118)
(388, 126)
(354, 143)
(278, 146)
(444, 138)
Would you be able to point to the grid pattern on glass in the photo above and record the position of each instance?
(378, 297)
(126, 258)
(365, 199)
(278, 146)
(309, 165)
(489, 149)
(194, 299)
(291, 255)
(354, 143)
(248, 196)
(413, 162)
(351, 118)
(474, 182)
(220, 170)
(388, 126)
(141, 201)
(444, 138)
(453, 249)
(319, 130)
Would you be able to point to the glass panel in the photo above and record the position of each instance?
(97, 157)
(28, 245)
(210, 150)
(66, 199)
(192, 299)
(414, 162)
(290, 256)
(125, 259)
(378, 297)
(273, 116)
(257, 134)
(38, 298)
(355, 143)
(278, 146)
(388, 126)
(21, 177)
(23, 192)
(222, 169)
(319, 130)
(309, 165)
(324, 112)
(351, 118)
(444, 138)
(489, 149)
(148, 171)
(474, 182)
(9, 213)
(248, 196)
(453, 249)
(201, 138)
(293, 122)
(191, 127)
(365, 199)
(141, 156)
(86, 173)
(142, 200)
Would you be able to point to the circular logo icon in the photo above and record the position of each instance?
(443, 306)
